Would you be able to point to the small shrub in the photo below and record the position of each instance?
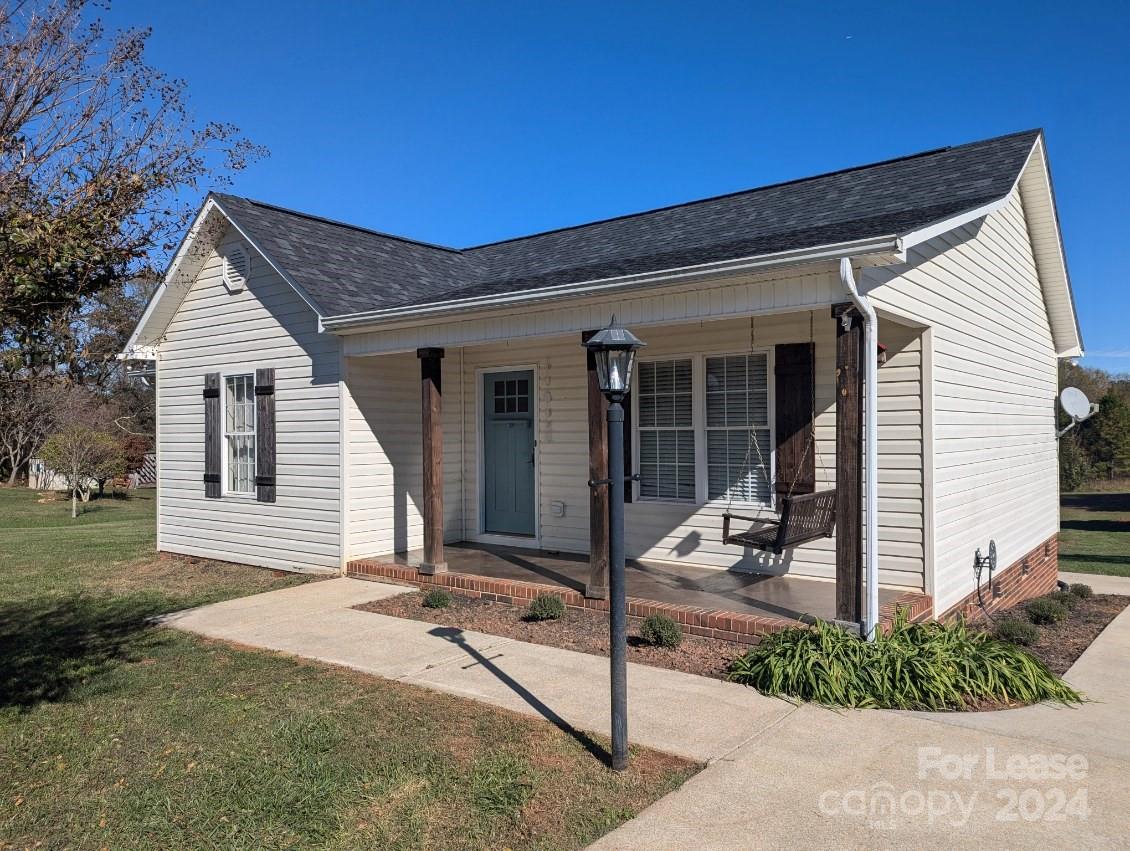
(1045, 610)
(661, 631)
(545, 607)
(1016, 631)
(1066, 599)
(1081, 590)
(437, 598)
(933, 666)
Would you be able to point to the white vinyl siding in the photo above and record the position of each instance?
(779, 292)
(666, 429)
(995, 376)
(265, 325)
(739, 452)
(385, 454)
(239, 434)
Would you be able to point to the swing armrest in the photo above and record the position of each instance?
(768, 521)
(727, 517)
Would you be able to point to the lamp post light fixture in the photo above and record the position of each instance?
(614, 349)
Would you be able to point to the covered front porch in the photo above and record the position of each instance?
(470, 455)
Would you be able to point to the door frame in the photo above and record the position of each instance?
(481, 536)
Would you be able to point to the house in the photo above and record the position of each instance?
(330, 396)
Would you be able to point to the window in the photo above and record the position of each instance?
(666, 429)
(239, 433)
(739, 448)
(512, 396)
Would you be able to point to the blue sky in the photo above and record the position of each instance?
(462, 123)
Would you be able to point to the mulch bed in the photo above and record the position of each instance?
(586, 631)
(579, 629)
(1061, 644)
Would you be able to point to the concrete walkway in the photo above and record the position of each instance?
(778, 776)
(1099, 584)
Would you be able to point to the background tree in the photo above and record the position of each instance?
(83, 456)
(1111, 442)
(1074, 466)
(101, 169)
(1100, 446)
(100, 162)
(29, 412)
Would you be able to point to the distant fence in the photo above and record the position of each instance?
(146, 477)
(40, 478)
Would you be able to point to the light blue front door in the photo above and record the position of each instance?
(508, 452)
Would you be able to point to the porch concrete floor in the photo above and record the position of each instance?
(730, 591)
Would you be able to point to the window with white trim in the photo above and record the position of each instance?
(739, 447)
(704, 429)
(239, 434)
(665, 399)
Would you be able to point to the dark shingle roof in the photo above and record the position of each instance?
(347, 269)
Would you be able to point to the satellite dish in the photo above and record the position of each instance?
(1075, 403)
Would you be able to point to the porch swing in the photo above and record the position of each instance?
(803, 517)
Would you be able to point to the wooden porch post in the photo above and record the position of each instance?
(431, 396)
(849, 463)
(597, 585)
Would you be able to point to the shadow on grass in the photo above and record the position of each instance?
(456, 637)
(1087, 558)
(1113, 501)
(48, 647)
(1096, 525)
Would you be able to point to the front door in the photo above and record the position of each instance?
(508, 452)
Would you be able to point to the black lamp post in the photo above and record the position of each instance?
(614, 349)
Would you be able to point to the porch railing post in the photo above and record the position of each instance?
(431, 395)
(597, 585)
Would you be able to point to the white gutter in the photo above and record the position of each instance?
(885, 246)
(870, 447)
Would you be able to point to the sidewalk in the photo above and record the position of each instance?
(316, 621)
(1099, 583)
(778, 775)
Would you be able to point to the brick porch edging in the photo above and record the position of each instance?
(708, 623)
(1032, 575)
(918, 607)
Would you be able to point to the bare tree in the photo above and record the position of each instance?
(29, 412)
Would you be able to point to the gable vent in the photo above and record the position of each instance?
(237, 266)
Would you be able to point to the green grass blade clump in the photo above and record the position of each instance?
(929, 666)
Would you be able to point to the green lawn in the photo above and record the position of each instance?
(1095, 533)
(115, 734)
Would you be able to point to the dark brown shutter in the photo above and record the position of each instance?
(796, 403)
(265, 435)
(212, 435)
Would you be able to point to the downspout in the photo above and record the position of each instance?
(870, 446)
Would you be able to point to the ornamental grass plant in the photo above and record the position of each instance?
(931, 666)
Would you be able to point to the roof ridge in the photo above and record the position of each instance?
(753, 189)
(324, 219)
